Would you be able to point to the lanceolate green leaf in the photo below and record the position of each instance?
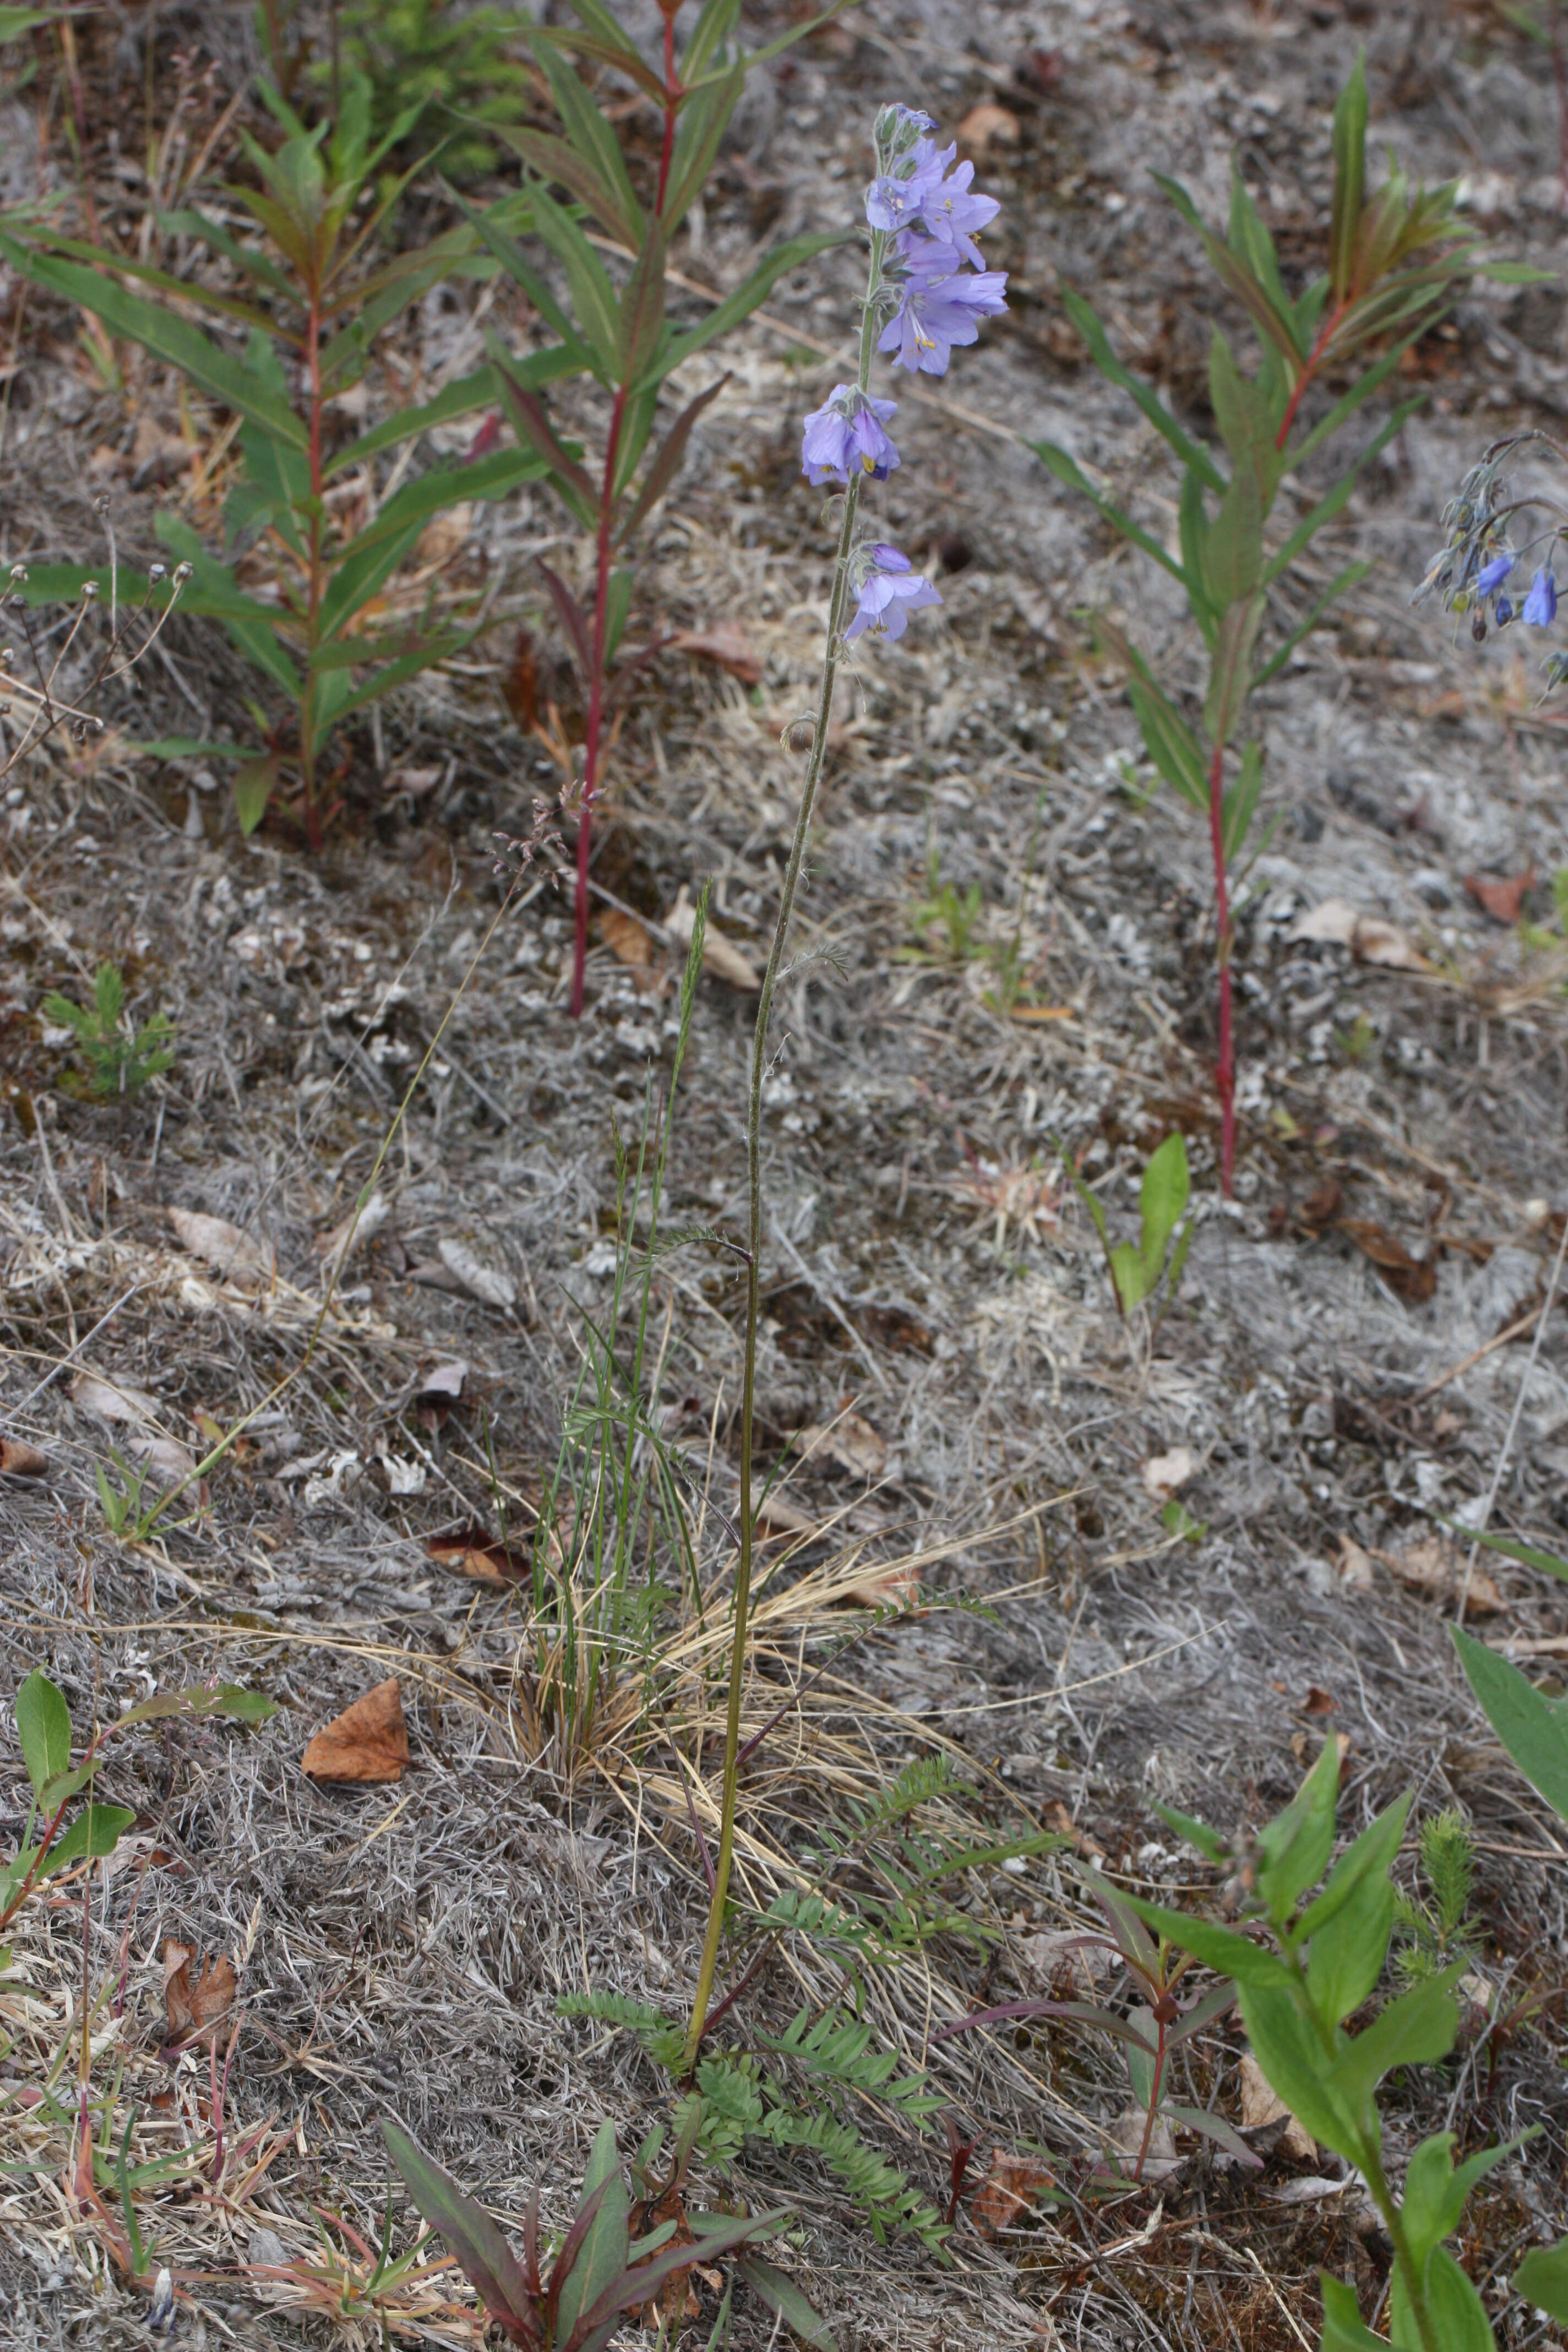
(594, 141)
(642, 308)
(1190, 452)
(211, 369)
(1232, 669)
(1349, 179)
(95, 1832)
(1170, 742)
(1067, 469)
(593, 296)
(557, 159)
(1240, 805)
(666, 461)
(748, 295)
(1533, 1729)
(1333, 501)
(702, 125)
(44, 1729)
(1347, 579)
(1240, 277)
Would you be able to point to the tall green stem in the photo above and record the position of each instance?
(704, 1992)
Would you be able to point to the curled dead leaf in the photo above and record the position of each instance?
(1415, 1278)
(1354, 1566)
(720, 956)
(18, 1460)
(113, 1401)
(627, 939)
(895, 1586)
(850, 1441)
(1337, 923)
(1261, 2107)
(368, 1742)
(725, 643)
(1165, 1474)
(351, 1232)
(473, 1552)
(1009, 2189)
(237, 1256)
(491, 1284)
(197, 2010)
(987, 126)
(1501, 896)
(1434, 1567)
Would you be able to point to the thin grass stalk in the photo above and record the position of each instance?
(704, 1992)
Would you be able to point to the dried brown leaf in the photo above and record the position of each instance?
(1368, 937)
(18, 1460)
(1261, 2107)
(1413, 1278)
(726, 643)
(720, 956)
(1434, 1567)
(238, 1256)
(626, 939)
(850, 1441)
(987, 126)
(1501, 896)
(369, 1742)
(1008, 2190)
(197, 2010)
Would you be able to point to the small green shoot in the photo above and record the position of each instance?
(118, 1058)
(1434, 1929)
(1137, 1270)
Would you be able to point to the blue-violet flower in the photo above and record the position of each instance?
(845, 435)
(938, 306)
(891, 591)
(1540, 604)
(1492, 575)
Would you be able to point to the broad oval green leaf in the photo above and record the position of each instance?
(44, 1729)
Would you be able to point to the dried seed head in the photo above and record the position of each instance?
(88, 591)
(18, 572)
(6, 657)
(181, 573)
(100, 503)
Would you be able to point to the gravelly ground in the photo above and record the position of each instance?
(413, 1955)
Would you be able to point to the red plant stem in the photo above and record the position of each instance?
(1314, 361)
(1224, 1073)
(596, 696)
(307, 714)
(671, 95)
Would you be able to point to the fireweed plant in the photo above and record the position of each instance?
(621, 338)
(303, 514)
(925, 293)
(1395, 261)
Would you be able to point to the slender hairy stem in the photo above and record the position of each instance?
(308, 710)
(1225, 1071)
(704, 1992)
(596, 694)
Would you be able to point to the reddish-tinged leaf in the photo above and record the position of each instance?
(482, 2253)
(533, 426)
(572, 617)
(643, 2280)
(671, 449)
(1501, 896)
(1413, 1278)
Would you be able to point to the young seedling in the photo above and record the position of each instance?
(1137, 1270)
(597, 2276)
(1435, 1927)
(119, 1059)
(1395, 261)
(1148, 2033)
(1320, 1963)
(48, 1846)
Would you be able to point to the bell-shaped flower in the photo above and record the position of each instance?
(1540, 604)
(890, 591)
(846, 436)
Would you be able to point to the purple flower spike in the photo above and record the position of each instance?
(891, 591)
(1540, 604)
(845, 435)
(949, 212)
(938, 306)
(1493, 574)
